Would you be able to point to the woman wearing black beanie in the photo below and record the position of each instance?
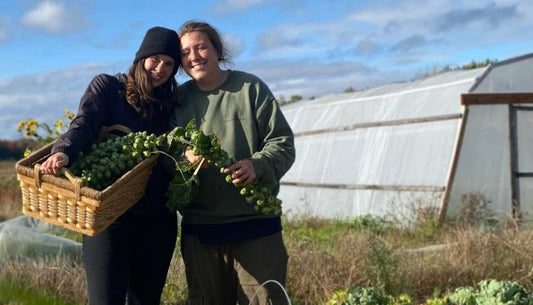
(130, 259)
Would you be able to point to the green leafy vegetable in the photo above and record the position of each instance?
(107, 161)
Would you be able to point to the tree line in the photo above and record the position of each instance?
(14, 150)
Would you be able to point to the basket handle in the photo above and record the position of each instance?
(107, 130)
(76, 181)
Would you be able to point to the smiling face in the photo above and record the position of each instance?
(199, 58)
(159, 68)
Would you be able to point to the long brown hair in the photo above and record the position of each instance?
(152, 103)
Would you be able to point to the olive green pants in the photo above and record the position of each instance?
(246, 272)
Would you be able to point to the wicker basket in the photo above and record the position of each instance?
(62, 199)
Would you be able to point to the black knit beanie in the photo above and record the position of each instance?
(159, 40)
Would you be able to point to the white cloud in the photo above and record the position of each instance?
(4, 28)
(404, 12)
(305, 78)
(223, 7)
(439, 18)
(233, 43)
(43, 96)
(301, 39)
(304, 48)
(3, 35)
(241, 4)
(54, 18)
(413, 31)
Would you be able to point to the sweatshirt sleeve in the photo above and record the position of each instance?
(91, 115)
(277, 153)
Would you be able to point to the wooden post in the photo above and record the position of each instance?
(453, 165)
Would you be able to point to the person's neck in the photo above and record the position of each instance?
(219, 77)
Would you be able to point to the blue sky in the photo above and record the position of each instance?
(50, 49)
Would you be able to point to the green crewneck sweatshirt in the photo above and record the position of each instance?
(244, 115)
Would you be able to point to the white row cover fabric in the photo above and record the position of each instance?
(28, 238)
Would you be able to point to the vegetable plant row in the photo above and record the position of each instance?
(489, 292)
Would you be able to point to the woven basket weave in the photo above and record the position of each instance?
(63, 200)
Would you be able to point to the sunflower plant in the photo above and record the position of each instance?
(44, 133)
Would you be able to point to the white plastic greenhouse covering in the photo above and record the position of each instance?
(24, 237)
(385, 150)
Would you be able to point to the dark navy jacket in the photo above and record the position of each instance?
(104, 104)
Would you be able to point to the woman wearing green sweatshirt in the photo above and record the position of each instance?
(229, 249)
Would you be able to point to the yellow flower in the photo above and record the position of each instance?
(31, 129)
(31, 122)
(69, 115)
(59, 125)
(21, 125)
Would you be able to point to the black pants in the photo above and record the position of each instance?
(131, 258)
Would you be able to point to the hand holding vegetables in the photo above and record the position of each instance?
(242, 172)
(190, 149)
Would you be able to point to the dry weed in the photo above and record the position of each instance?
(175, 291)
(328, 257)
(56, 275)
(10, 194)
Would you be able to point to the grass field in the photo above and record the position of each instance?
(10, 197)
(424, 261)
(11, 293)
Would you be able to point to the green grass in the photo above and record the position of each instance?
(323, 232)
(15, 294)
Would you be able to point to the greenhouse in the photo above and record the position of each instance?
(436, 142)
